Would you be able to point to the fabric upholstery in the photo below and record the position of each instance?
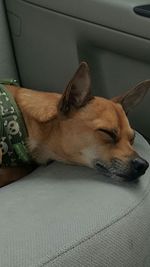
(7, 63)
(69, 216)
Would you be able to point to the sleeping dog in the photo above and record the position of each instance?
(75, 128)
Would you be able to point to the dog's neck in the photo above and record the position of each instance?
(44, 141)
(42, 124)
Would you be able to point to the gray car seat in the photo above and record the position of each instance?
(68, 216)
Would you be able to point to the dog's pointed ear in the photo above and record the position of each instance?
(133, 96)
(78, 91)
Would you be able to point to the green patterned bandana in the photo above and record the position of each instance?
(13, 132)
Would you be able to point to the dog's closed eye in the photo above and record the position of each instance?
(110, 133)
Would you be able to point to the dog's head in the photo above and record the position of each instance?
(86, 130)
(95, 132)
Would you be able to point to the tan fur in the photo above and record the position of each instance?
(66, 129)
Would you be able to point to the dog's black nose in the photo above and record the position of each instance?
(139, 166)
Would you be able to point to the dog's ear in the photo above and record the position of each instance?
(78, 91)
(133, 97)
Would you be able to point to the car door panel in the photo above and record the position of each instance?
(51, 37)
(116, 14)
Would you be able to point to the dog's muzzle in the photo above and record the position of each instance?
(129, 171)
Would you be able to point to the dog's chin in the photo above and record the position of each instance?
(128, 177)
(114, 175)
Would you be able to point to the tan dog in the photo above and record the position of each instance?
(77, 128)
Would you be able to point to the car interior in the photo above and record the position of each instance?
(63, 215)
